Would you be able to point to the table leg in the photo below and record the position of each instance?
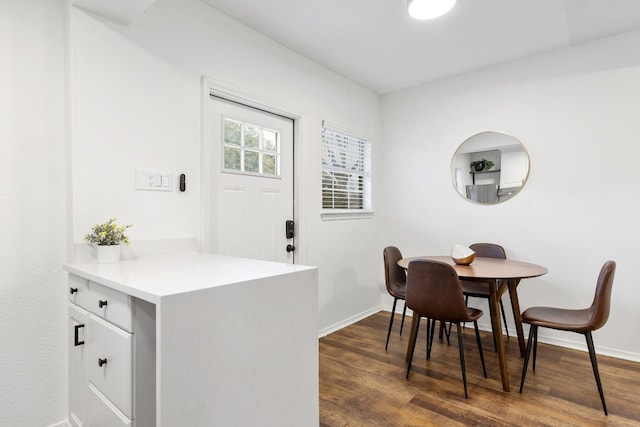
(496, 324)
(410, 343)
(515, 305)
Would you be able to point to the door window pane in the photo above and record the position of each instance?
(251, 137)
(232, 158)
(270, 141)
(269, 164)
(250, 149)
(232, 132)
(251, 161)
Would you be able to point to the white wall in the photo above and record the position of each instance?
(136, 104)
(33, 337)
(576, 112)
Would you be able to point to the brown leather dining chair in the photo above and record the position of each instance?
(434, 291)
(395, 279)
(481, 289)
(582, 321)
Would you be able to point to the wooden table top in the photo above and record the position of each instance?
(487, 268)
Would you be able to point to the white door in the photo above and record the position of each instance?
(251, 182)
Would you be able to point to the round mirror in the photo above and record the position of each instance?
(490, 167)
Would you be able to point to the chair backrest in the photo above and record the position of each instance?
(602, 299)
(434, 291)
(395, 277)
(489, 250)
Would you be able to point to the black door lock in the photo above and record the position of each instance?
(289, 229)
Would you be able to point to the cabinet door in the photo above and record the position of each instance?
(102, 413)
(110, 363)
(514, 169)
(77, 365)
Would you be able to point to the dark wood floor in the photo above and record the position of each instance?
(362, 385)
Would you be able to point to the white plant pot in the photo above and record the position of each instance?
(108, 254)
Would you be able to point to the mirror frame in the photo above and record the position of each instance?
(503, 135)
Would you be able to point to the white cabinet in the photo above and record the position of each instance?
(111, 345)
(192, 339)
(514, 168)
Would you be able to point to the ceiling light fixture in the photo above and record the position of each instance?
(429, 9)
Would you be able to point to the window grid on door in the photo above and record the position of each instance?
(250, 149)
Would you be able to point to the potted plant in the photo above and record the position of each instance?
(107, 238)
(481, 165)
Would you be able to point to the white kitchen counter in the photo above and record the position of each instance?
(155, 277)
(236, 340)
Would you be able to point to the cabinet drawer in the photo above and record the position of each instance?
(111, 305)
(79, 291)
(102, 413)
(110, 362)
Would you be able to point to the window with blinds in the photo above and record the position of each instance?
(346, 171)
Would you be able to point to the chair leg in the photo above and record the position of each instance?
(447, 331)
(427, 336)
(594, 365)
(430, 334)
(532, 333)
(413, 346)
(393, 312)
(484, 369)
(466, 302)
(535, 347)
(461, 348)
(504, 318)
(404, 312)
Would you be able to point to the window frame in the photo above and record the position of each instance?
(357, 149)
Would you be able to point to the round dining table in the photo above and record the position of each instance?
(501, 275)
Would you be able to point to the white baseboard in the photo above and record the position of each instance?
(572, 344)
(351, 320)
(64, 423)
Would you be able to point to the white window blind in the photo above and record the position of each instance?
(346, 170)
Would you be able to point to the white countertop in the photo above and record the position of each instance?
(155, 277)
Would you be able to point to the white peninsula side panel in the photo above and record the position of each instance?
(236, 340)
(247, 354)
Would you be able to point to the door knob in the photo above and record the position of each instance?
(290, 248)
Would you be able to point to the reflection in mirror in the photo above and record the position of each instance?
(490, 167)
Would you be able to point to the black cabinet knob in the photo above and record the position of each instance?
(102, 362)
(102, 303)
(73, 290)
(291, 248)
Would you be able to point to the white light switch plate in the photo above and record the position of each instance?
(154, 181)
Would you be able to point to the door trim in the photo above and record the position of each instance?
(211, 87)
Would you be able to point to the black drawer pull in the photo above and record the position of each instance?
(102, 362)
(102, 303)
(76, 334)
(73, 290)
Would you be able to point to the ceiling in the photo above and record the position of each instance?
(376, 44)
